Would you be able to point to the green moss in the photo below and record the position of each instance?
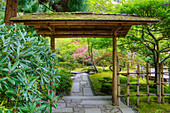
(69, 16)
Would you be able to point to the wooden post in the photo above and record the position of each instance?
(147, 75)
(138, 84)
(162, 86)
(114, 79)
(118, 82)
(52, 43)
(128, 84)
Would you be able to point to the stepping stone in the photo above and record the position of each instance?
(93, 110)
(95, 102)
(88, 97)
(63, 110)
(61, 105)
(87, 92)
(126, 110)
(85, 77)
(115, 110)
(123, 105)
(83, 83)
(75, 88)
(85, 74)
(77, 76)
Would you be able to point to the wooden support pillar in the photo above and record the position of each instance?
(52, 43)
(114, 79)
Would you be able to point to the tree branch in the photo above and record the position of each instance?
(165, 59)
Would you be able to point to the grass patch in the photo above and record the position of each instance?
(96, 83)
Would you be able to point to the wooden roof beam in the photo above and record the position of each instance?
(78, 35)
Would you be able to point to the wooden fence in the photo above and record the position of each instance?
(160, 84)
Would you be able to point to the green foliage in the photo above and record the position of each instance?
(77, 5)
(65, 81)
(31, 6)
(26, 64)
(101, 6)
(2, 5)
(67, 65)
(149, 8)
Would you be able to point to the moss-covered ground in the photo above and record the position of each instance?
(152, 107)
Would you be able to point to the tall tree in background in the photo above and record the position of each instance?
(11, 10)
(150, 40)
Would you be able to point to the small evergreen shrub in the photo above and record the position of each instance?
(67, 65)
(65, 81)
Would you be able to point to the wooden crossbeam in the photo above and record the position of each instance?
(78, 35)
(49, 23)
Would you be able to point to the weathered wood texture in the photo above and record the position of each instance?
(68, 30)
(114, 81)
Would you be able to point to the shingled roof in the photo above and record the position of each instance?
(82, 24)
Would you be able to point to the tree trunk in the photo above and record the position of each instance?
(90, 50)
(92, 59)
(10, 11)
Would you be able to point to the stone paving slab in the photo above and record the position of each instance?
(88, 97)
(95, 102)
(85, 77)
(116, 110)
(61, 105)
(87, 92)
(93, 110)
(125, 110)
(62, 110)
(76, 87)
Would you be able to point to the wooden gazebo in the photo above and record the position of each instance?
(78, 24)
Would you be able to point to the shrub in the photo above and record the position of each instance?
(67, 65)
(65, 81)
(26, 64)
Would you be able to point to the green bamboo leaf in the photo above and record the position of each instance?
(41, 81)
(25, 109)
(33, 107)
(21, 79)
(10, 92)
(1, 87)
(2, 59)
(55, 98)
(3, 78)
(46, 80)
(11, 81)
(15, 65)
(18, 51)
(24, 65)
(55, 105)
(30, 85)
(41, 107)
(9, 65)
(3, 64)
(48, 97)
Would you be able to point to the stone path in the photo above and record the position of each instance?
(83, 101)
